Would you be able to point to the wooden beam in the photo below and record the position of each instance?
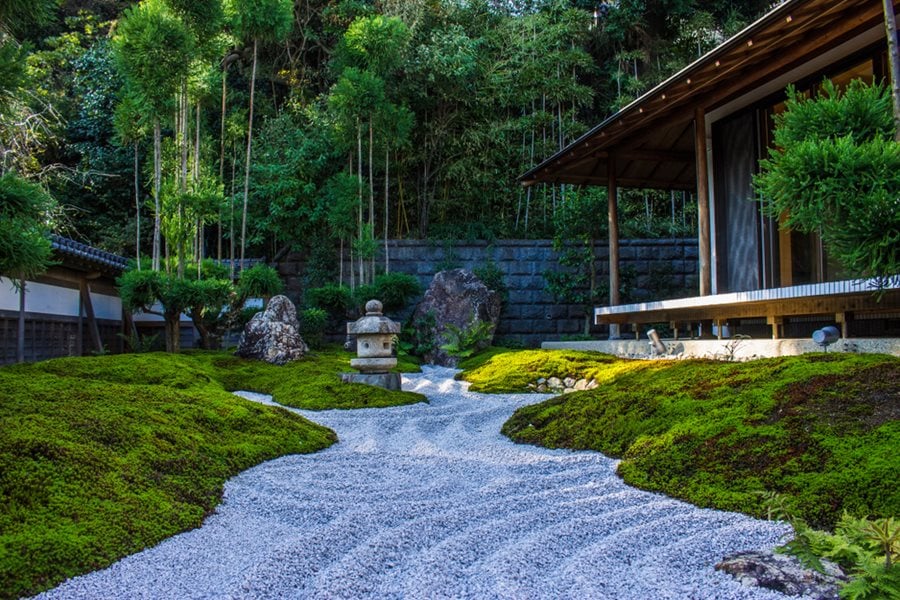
(613, 235)
(647, 155)
(703, 202)
(93, 329)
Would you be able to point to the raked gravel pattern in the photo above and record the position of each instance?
(430, 501)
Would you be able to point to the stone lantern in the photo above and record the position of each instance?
(374, 349)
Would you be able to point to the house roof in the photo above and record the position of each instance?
(85, 256)
(651, 140)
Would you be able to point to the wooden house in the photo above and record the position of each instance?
(704, 130)
(70, 310)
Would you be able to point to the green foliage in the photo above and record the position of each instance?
(393, 290)
(576, 231)
(259, 281)
(139, 344)
(152, 48)
(101, 457)
(376, 42)
(313, 322)
(336, 300)
(867, 550)
(417, 337)
(26, 213)
(263, 20)
(492, 276)
(463, 342)
(836, 170)
(816, 428)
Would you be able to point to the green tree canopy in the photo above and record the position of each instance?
(151, 46)
(26, 211)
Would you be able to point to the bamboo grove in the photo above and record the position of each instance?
(244, 128)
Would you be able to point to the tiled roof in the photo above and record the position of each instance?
(69, 247)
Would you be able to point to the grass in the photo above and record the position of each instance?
(823, 430)
(101, 457)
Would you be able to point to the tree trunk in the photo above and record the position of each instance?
(173, 342)
(137, 205)
(231, 205)
(359, 213)
(890, 25)
(247, 166)
(371, 200)
(157, 177)
(199, 255)
(387, 260)
(222, 156)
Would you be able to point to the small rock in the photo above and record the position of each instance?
(568, 390)
(542, 380)
(569, 382)
(555, 382)
(592, 384)
(784, 574)
(542, 388)
(581, 384)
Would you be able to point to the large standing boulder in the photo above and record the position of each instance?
(456, 299)
(273, 335)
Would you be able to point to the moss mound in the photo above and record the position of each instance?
(101, 457)
(311, 383)
(821, 429)
(499, 370)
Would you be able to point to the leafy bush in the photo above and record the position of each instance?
(867, 550)
(417, 337)
(259, 281)
(492, 276)
(336, 300)
(25, 211)
(396, 290)
(463, 342)
(313, 322)
(835, 170)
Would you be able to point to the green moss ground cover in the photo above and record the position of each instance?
(101, 457)
(824, 430)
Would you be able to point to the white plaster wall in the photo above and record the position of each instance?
(52, 300)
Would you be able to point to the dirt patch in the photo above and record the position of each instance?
(862, 399)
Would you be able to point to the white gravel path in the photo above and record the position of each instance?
(430, 501)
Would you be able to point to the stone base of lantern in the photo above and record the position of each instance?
(373, 364)
(388, 381)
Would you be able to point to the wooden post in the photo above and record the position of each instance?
(94, 330)
(776, 323)
(20, 339)
(890, 26)
(702, 202)
(613, 215)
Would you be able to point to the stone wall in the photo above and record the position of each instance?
(653, 269)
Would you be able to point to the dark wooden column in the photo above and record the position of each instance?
(88, 306)
(613, 209)
(702, 202)
(20, 329)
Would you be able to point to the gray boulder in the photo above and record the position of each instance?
(458, 298)
(273, 335)
(784, 574)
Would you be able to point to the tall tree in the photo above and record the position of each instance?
(258, 21)
(150, 45)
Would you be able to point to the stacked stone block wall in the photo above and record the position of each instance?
(654, 269)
